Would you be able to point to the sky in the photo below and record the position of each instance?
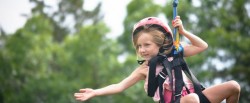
(11, 11)
(10, 14)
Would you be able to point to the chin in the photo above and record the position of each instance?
(147, 59)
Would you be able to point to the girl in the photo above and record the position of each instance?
(149, 35)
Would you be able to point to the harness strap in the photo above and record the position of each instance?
(153, 83)
(161, 91)
(197, 86)
(177, 65)
(179, 83)
(167, 69)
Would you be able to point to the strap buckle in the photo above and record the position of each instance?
(162, 75)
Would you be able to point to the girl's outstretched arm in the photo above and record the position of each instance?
(137, 75)
(197, 44)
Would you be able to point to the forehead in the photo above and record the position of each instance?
(144, 36)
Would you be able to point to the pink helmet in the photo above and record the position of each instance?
(155, 22)
(151, 21)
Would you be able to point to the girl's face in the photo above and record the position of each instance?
(146, 48)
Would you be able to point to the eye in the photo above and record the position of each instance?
(138, 46)
(147, 44)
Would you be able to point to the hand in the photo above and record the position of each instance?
(178, 23)
(84, 94)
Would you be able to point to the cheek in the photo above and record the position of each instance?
(155, 51)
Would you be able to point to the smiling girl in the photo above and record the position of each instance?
(149, 36)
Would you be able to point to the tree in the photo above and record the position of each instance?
(227, 21)
(67, 9)
(46, 63)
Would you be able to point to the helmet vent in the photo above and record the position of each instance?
(149, 18)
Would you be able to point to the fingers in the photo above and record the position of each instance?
(83, 94)
(81, 99)
(85, 90)
(177, 18)
(79, 96)
(177, 22)
(82, 90)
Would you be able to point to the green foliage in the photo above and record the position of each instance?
(225, 26)
(35, 65)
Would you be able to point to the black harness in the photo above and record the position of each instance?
(176, 65)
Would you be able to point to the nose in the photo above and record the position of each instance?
(142, 49)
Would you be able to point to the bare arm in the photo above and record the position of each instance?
(134, 77)
(197, 44)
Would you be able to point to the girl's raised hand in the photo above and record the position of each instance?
(178, 23)
(84, 94)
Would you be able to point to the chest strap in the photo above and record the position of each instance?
(177, 65)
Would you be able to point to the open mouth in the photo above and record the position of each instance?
(146, 57)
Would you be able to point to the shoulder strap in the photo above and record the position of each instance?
(177, 64)
(197, 86)
(152, 79)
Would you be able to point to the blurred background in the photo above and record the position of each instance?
(49, 49)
